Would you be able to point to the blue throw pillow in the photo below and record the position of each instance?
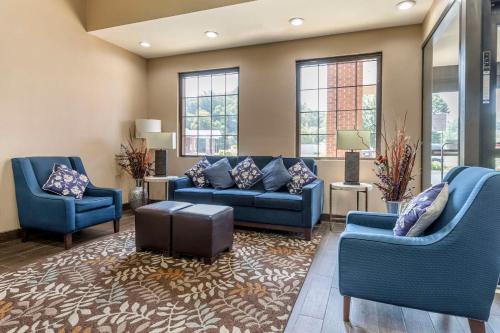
(421, 211)
(301, 176)
(246, 174)
(218, 174)
(196, 173)
(65, 181)
(275, 175)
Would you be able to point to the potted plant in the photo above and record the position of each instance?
(135, 159)
(394, 168)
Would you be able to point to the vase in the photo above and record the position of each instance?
(393, 207)
(138, 196)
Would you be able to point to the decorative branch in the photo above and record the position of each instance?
(135, 160)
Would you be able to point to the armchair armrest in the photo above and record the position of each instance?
(50, 212)
(369, 219)
(175, 184)
(312, 196)
(108, 192)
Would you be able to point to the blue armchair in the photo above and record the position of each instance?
(452, 269)
(40, 210)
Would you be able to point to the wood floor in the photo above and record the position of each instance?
(318, 307)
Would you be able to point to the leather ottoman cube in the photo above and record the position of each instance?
(202, 231)
(153, 225)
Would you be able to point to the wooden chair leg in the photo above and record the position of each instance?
(23, 233)
(477, 326)
(68, 241)
(347, 308)
(116, 225)
(308, 234)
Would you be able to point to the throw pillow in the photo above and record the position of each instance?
(196, 173)
(421, 211)
(218, 174)
(57, 166)
(301, 176)
(275, 175)
(246, 174)
(66, 182)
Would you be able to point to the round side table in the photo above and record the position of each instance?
(340, 186)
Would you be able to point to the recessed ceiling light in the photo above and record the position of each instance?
(406, 4)
(211, 34)
(145, 44)
(296, 21)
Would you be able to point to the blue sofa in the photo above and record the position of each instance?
(40, 210)
(452, 269)
(257, 208)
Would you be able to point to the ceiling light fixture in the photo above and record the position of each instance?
(296, 21)
(406, 4)
(211, 34)
(145, 44)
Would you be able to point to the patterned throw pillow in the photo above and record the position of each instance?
(421, 211)
(246, 174)
(65, 181)
(301, 176)
(196, 173)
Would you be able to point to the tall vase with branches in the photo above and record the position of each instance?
(394, 167)
(136, 160)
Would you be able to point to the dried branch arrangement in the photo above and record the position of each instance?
(136, 160)
(394, 166)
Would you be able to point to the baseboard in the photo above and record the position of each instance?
(10, 235)
(337, 217)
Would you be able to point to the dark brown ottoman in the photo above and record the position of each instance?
(153, 225)
(202, 231)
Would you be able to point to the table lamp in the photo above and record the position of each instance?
(160, 142)
(144, 126)
(352, 140)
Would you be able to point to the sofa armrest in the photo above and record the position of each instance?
(175, 184)
(108, 192)
(369, 219)
(312, 196)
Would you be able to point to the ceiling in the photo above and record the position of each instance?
(258, 22)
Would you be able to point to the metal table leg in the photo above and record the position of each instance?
(330, 216)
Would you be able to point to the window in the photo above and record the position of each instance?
(333, 94)
(209, 112)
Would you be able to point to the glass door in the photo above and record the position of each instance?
(441, 98)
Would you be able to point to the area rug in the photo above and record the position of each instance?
(106, 286)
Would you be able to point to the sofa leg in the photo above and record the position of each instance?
(23, 233)
(477, 326)
(308, 234)
(347, 308)
(68, 241)
(116, 225)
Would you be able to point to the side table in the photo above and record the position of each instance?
(154, 179)
(340, 186)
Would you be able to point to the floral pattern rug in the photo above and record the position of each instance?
(106, 286)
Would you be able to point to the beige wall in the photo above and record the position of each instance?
(109, 13)
(267, 92)
(62, 92)
(433, 15)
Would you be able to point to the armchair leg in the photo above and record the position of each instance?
(347, 308)
(116, 225)
(477, 326)
(68, 241)
(23, 233)
(308, 234)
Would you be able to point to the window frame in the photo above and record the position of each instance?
(181, 76)
(343, 58)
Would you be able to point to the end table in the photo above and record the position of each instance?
(340, 186)
(154, 179)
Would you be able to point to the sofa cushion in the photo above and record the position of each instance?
(218, 174)
(194, 194)
(246, 174)
(279, 200)
(351, 227)
(90, 203)
(236, 197)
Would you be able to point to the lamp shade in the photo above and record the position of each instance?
(353, 140)
(161, 141)
(143, 126)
